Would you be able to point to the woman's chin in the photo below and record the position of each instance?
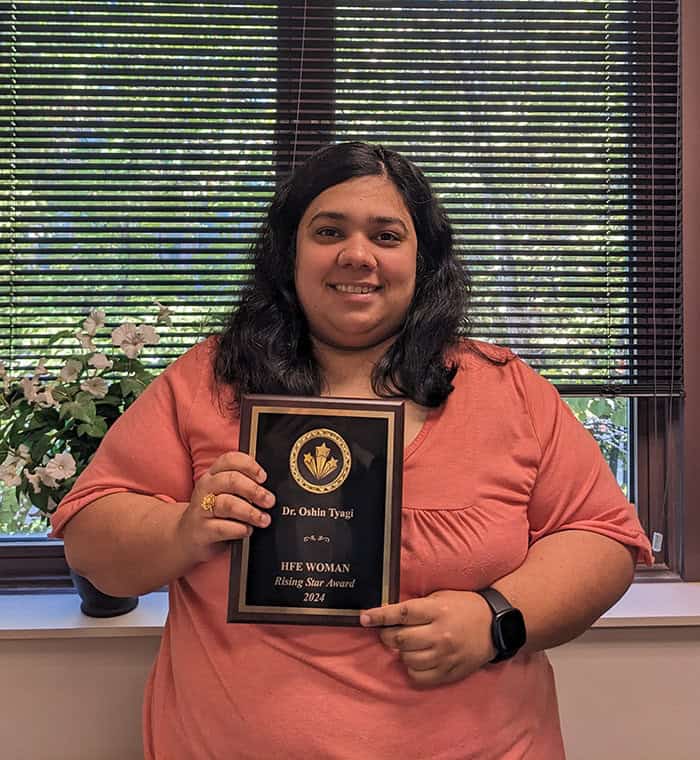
(355, 340)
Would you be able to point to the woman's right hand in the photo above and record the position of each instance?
(239, 505)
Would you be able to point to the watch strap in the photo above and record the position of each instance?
(495, 600)
(499, 606)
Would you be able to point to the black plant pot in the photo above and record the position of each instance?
(96, 604)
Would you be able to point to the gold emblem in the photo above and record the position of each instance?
(316, 457)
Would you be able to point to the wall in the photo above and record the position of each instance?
(630, 694)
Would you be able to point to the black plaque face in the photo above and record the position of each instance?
(332, 549)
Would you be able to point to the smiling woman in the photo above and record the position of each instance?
(356, 263)
(514, 534)
(352, 216)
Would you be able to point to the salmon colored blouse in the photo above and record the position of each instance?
(502, 463)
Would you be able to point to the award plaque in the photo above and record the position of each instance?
(332, 548)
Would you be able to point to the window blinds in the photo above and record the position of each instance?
(141, 141)
(138, 143)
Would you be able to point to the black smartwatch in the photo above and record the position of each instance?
(508, 626)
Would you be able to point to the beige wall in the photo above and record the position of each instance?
(630, 694)
(625, 694)
(73, 698)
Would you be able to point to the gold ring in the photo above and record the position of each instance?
(208, 502)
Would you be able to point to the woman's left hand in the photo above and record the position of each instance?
(441, 638)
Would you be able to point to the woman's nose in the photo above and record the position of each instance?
(357, 252)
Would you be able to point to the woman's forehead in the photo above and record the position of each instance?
(374, 196)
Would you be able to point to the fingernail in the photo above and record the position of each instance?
(261, 476)
(365, 619)
(264, 519)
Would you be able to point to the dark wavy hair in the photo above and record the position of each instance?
(265, 344)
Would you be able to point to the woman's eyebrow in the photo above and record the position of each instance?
(340, 217)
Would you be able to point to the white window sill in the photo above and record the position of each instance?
(40, 616)
(49, 615)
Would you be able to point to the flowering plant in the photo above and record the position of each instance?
(51, 425)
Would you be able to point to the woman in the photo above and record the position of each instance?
(357, 293)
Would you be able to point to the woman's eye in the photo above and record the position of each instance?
(328, 232)
(388, 237)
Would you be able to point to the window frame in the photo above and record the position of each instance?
(38, 563)
(689, 518)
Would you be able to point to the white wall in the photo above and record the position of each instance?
(625, 694)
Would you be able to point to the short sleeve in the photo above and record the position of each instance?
(574, 488)
(146, 450)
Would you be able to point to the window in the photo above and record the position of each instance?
(139, 143)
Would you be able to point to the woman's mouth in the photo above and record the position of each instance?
(355, 289)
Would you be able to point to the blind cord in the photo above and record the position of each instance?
(300, 79)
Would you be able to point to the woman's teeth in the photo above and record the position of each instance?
(355, 288)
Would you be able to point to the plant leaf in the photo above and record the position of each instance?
(131, 385)
(60, 335)
(109, 400)
(121, 364)
(41, 499)
(39, 448)
(95, 429)
(84, 410)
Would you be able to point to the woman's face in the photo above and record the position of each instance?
(355, 270)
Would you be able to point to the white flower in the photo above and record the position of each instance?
(124, 336)
(45, 478)
(11, 461)
(62, 466)
(9, 476)
(70, 371)
(45, 398)
(40, 368)
(100, 361)
(33, 480)
(147, 335)
(95, 320)
(131, 339)
(95, 386)
(29, 387)
(8, 470)
(85, 340)
(164, 313)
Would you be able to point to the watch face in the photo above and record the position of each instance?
(511, 629)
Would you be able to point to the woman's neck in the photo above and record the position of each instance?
(348, 372)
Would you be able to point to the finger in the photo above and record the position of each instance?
(230, 507)
(238, 484)
(426, 678)
(435, 676)
(411, 612)
(228, 530)
(426, 659)
(239, 460)
(407, 638)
